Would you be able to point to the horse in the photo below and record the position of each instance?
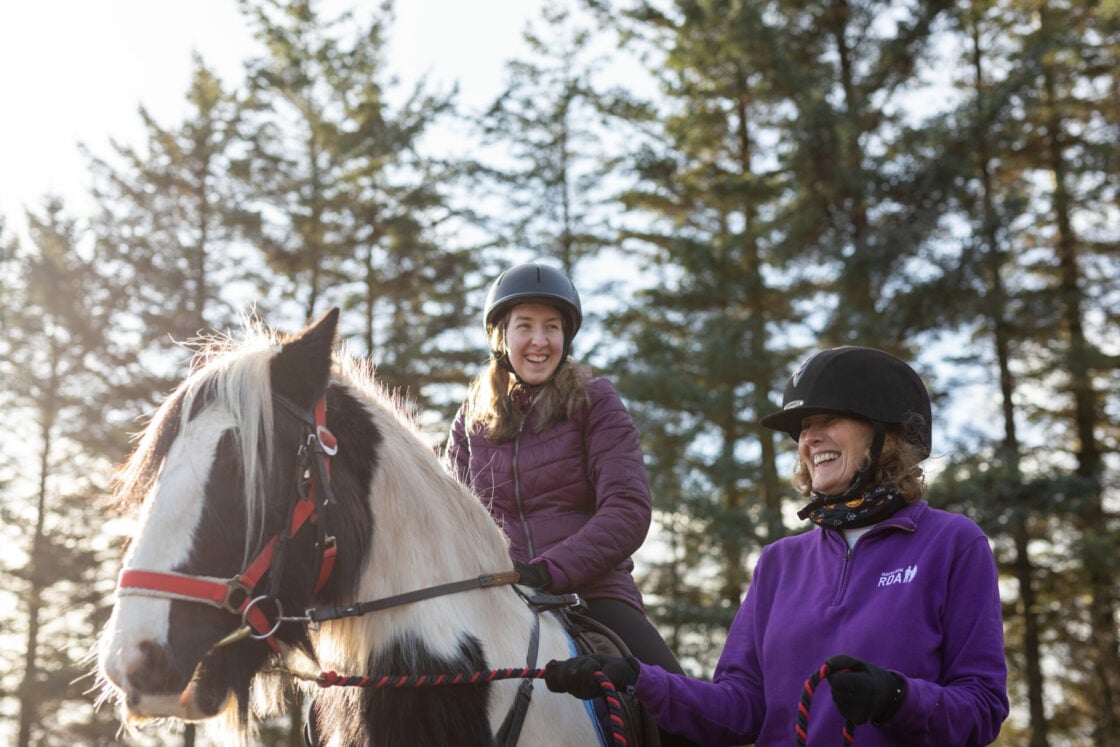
(280, 476)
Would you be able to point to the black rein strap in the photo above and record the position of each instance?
(510, 730)
(485, 581)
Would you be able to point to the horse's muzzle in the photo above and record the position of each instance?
(150, 685)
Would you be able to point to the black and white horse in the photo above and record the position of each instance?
(273, 455)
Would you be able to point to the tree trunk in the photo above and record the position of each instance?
(29, 689)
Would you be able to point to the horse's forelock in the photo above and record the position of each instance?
(239, 384)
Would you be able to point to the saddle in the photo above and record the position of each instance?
(592, 637)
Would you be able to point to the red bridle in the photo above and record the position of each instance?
(235, 595)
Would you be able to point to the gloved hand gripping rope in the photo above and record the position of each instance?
(861, 690)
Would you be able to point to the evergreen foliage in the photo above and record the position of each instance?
(54, 314)
(346, 206)
(732, 183)
(546, 127)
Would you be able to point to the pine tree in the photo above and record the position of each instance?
(1005, 483)
(167, 232)
(860, 217)
(348, 208)
(1020, 301)
(1066, 61)
(704, 352)
(548, 126)
(295, 129)
(54, 316)
(987, 479)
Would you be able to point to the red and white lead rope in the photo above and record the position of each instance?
(610, 694)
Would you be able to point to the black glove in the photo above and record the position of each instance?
(577, 676)
(534, 574)
(865, 692)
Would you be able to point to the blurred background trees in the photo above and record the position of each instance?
(732, 184)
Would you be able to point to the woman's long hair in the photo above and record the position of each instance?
(489, 406)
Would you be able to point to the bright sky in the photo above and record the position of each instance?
(75, 71)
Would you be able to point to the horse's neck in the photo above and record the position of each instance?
(428, 530)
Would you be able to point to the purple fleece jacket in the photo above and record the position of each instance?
(917, 595)
(575, 496)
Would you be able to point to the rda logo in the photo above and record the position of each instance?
(899, 576)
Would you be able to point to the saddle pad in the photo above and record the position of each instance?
(588, 636)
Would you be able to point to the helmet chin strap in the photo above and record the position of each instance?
(859, 480)
(502, 359)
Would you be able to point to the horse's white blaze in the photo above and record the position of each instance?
(172, 513)
(170, 517)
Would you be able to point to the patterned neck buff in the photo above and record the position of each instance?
(869, 508)
(522, 396)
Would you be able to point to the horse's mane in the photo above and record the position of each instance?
(419, 482)
(225, 372)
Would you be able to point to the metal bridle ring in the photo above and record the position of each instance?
(329, 445)
(279, 616)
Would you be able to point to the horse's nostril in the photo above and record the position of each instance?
(151, 653)
(151, 671)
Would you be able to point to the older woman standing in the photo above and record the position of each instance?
(901, 600)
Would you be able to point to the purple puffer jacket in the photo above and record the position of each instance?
(575, 496)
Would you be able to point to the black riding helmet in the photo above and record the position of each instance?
(858, 381)
(528, 283)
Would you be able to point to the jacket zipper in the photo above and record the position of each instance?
(843, 585)
(517, 486)
(848, 549)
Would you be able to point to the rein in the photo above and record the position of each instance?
(485, 581)
(806, 703)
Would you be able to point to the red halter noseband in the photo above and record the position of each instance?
(235, 595)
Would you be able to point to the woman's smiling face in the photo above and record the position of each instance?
(535, 340)
(833, 448)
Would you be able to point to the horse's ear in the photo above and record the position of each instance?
(302, 367)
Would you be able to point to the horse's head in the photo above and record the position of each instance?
(228, 540)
